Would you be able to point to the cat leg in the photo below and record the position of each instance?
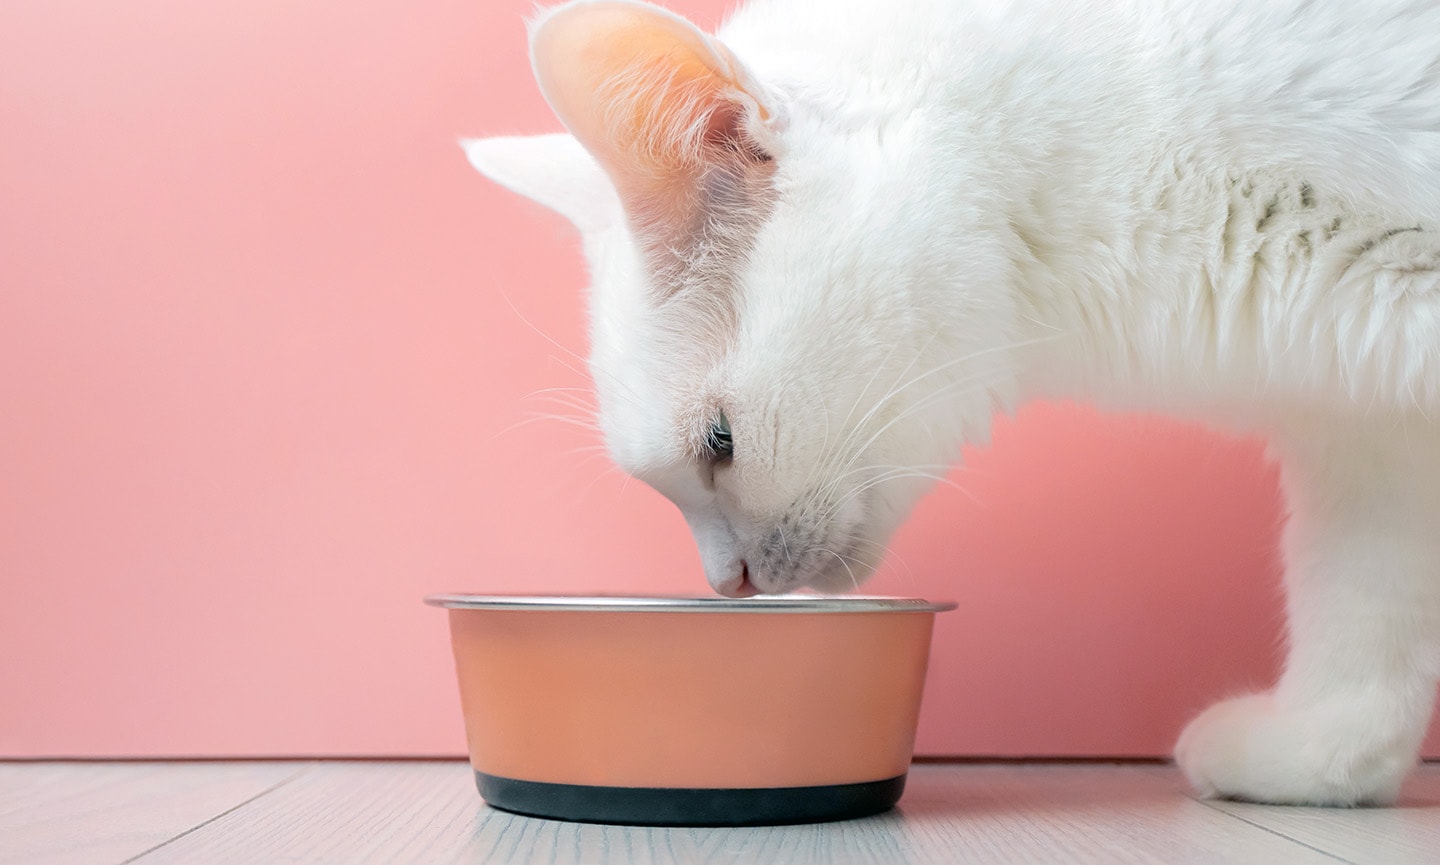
(1362, 554)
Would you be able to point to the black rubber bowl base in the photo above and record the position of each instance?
(665, 806)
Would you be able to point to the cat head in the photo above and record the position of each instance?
(782, 340)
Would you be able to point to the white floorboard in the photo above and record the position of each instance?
(1408, 834)
(107, 813)
(428, 812)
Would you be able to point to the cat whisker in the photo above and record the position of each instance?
(886, 558)
(604, 472)
(841, 445)
(584, 423)
(855, 581)
(941, 394)
(585, 369)
(570, 402)
(890, 474)
(945, 391)
(860, 397)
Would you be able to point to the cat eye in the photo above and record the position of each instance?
(718, 441)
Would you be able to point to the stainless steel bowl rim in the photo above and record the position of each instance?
(663, 604)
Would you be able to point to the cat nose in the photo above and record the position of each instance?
(739, 586)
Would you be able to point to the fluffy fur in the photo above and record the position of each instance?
(1227, 210)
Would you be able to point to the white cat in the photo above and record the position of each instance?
(830, 242)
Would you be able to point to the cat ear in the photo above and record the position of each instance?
(657, 101)
(553, 170)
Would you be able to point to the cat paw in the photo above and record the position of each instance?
(1247, 748)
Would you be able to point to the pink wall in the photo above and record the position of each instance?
(260, 383)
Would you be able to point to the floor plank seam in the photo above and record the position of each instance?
(1321, 850)
(227, 812)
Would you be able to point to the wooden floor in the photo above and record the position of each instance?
(429, 812)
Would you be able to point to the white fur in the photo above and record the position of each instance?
(1228, 210)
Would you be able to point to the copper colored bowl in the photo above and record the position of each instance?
(689, 711)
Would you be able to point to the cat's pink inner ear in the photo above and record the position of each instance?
(645, 91)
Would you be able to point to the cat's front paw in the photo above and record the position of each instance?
(1247, 748)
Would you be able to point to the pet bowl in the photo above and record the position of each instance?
(690, 711)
